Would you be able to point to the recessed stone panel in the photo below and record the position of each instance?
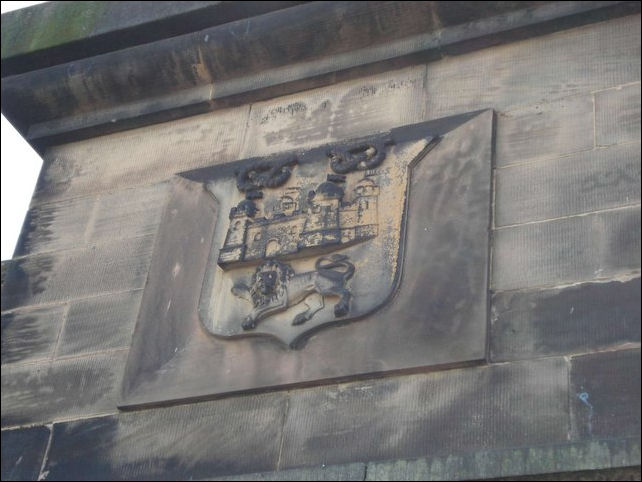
(349, 259)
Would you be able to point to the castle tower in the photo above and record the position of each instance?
(240, 217)
(366, 196)
(322, 223)
(290, 203)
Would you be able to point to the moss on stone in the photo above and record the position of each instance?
(45, 26)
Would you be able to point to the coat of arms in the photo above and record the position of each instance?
(310, 240)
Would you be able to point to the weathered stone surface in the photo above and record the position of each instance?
(440, 309)
(42, 392)
(22, 452)
(581, 248)
(82, 221)
(342, 111)
(106, 268)
(627, 473)
(179, 443)
(99, 323)
(515, 462)
(308, 44)
(141, 156)
(524, 73)
(552, 462)
(589, 181)
(170, 300)
(545, 130)
(587, 317)
(31, 334)
(617, 115)
(55, 226)
(605, 394)
(60, 32)
(128, 213)
(517, 404)
(346, 472)
(506, 419)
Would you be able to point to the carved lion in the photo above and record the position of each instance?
(275, 287)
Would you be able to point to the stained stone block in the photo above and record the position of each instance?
(617, 115)
(450, 412)
(55, 226)
(128, 213)
(140, 156)
(551, 462)
(345, 472)
(584, 182)
(78, 222)
(22, 452)
(545, 130)
(582, 318)
(31, 334)
(185, 442)
(581, 248)
(605, 394)
(77, 387)
(522, 74)
(285, 279)
(80, 273)
(99, 323)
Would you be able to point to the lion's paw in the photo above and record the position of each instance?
(299, 319)
(340, 309)
(248, 324)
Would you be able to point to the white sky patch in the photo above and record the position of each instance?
(10, 6)
(20, 167)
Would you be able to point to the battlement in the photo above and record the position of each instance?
(321, 221)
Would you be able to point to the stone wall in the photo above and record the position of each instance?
(560, 391)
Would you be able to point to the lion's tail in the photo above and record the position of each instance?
(336, 266)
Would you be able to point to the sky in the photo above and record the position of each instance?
(20, 167)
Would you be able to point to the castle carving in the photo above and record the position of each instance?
(316, 221)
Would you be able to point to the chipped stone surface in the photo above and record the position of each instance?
(343, 111)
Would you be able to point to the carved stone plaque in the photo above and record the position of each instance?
(311, 240)
(349, 259)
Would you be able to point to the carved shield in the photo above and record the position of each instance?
(308, 240)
